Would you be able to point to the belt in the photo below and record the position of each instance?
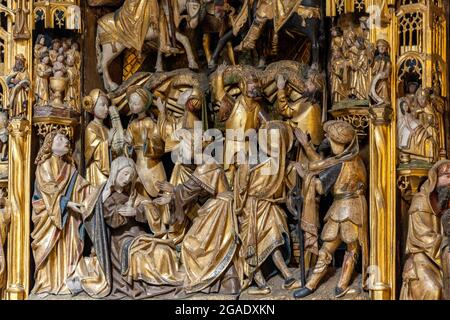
(348, 195)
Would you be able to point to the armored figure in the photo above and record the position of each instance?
(239, 114)
(344, 175)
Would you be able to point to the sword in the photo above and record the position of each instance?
(171, 23)
(296, 210)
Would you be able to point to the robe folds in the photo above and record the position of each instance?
(97, 153)
(422, 272)
(208, 251)
(57, 243)
(4, 223)
(135, 263)
(263, 224)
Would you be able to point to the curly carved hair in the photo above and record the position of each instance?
(45, 152)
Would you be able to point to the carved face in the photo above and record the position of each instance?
(193, 11)
(382, 49)
(19, 65)
(124, 177)
(136, 103)
(56, 45)
(70, 60)
(42, 41)
(101, 108)
(336, 148)
(444, 175)
(46, 60)
(60, 145)
(253, 89)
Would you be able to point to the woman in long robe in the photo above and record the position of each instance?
(136, 265)
(96, 152)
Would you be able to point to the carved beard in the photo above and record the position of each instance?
(19, 66)
(446, 222)
(443, 194)
(254, 93)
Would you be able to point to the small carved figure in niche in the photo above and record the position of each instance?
(4, 135)
(59, 67)
(428, 115)
(5, 218)
(58, 83)
(39, 49)
(351, 54)
(43, 73)
(66, 43)
(18, 82)
(360, 70)
(97, 138)
(380, 88)
(422, 273)
(263, 223)
(339, 88)
(337, 40)
(72, 97)
(54, 51)
(414, 141)
(75, 52)
(59, 192)
(344, 175)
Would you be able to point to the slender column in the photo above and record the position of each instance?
(382, 276)
(19, 184)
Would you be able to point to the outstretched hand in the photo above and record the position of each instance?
(76, 207)
(281, 82)
(163, 200)
(300, 170)
(301, 137)
(160, 105)
(221, 68)
(165, 186)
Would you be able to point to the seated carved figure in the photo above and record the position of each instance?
(422, 274)
(414, 141)
(134, 263)
(208, 251)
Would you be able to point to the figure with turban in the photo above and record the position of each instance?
(344, 175)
